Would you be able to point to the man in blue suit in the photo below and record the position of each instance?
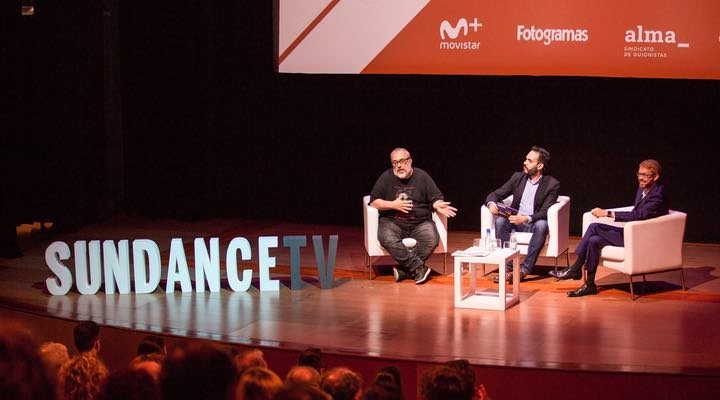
(650, 202)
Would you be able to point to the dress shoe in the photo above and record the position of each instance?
(584, 290)
(399, 274)
(509, 276)
(567, 273)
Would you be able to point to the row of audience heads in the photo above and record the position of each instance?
(197, 370)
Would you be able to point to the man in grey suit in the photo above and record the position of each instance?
(533, 194)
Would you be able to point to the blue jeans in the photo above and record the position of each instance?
(391, 232)
(539, 231)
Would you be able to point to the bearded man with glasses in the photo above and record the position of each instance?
(650, 202)
(406, 198)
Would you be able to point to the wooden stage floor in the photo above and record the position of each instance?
(667, 330)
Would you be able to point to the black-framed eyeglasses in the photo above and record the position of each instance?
(648, 176)
(401, 161)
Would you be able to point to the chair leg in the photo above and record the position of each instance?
(682, 278)
(632, 292)
(368, 262)
(444, 264)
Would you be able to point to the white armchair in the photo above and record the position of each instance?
(652, 245)
(373, 247)
(558, 218)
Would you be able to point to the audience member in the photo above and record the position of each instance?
(81, 377)
(198, 371)
(54, 355)
(342, 383)
(382, 391)
(151, 363)
(303, 374)
(151, 344)
(312, 357)
(129, 384)
(468, 373)
(87, 337)
(22, 372)
(444, 383)
(300, 391)
(249, 358)
(389, 371)
(258, 383)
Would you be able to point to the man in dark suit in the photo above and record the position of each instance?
(650, 202)
(533, 194)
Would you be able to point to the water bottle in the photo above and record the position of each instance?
(513, 240)
(488, 240)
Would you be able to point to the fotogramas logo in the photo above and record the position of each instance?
(647, 42)
(461, 35)
(549, 36)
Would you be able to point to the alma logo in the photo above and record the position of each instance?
(446, 29)
(642, 35)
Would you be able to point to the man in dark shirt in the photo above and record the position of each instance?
(406, 198)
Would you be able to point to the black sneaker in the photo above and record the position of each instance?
(422, 274)
(399, 274)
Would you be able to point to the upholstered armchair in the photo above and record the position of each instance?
(558, 218)
(373, 247)
(651, 246)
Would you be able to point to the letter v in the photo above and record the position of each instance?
(325, 271)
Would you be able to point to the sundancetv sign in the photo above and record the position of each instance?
(107, 264)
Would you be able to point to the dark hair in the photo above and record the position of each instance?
(311, 357)
(444, 383)
(300, 391)
(392, 371)
(151, 344)
(199, 371)
(380, 391)
(467, 372)
(86, 333)
(543, 155)
(129, 385)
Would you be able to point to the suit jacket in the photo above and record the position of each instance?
(545, 196)
(654, 204)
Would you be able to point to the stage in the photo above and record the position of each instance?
(667, 332)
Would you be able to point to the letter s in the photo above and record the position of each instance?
(55, 252)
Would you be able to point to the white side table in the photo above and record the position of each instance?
(487, 299)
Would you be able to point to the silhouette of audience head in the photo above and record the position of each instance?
(341, 383)
(54, 355)
(380, 391)
(22, 372)
(258, 383)
(444, 383)
(151, 344)
(129, 384)
(249, 358)
(303, 374)
(312, 357)
(198, 371)
(87, 336)
(301, 391)
(151, 363)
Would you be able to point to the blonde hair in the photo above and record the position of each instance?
(81, 377)
(258, 383)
